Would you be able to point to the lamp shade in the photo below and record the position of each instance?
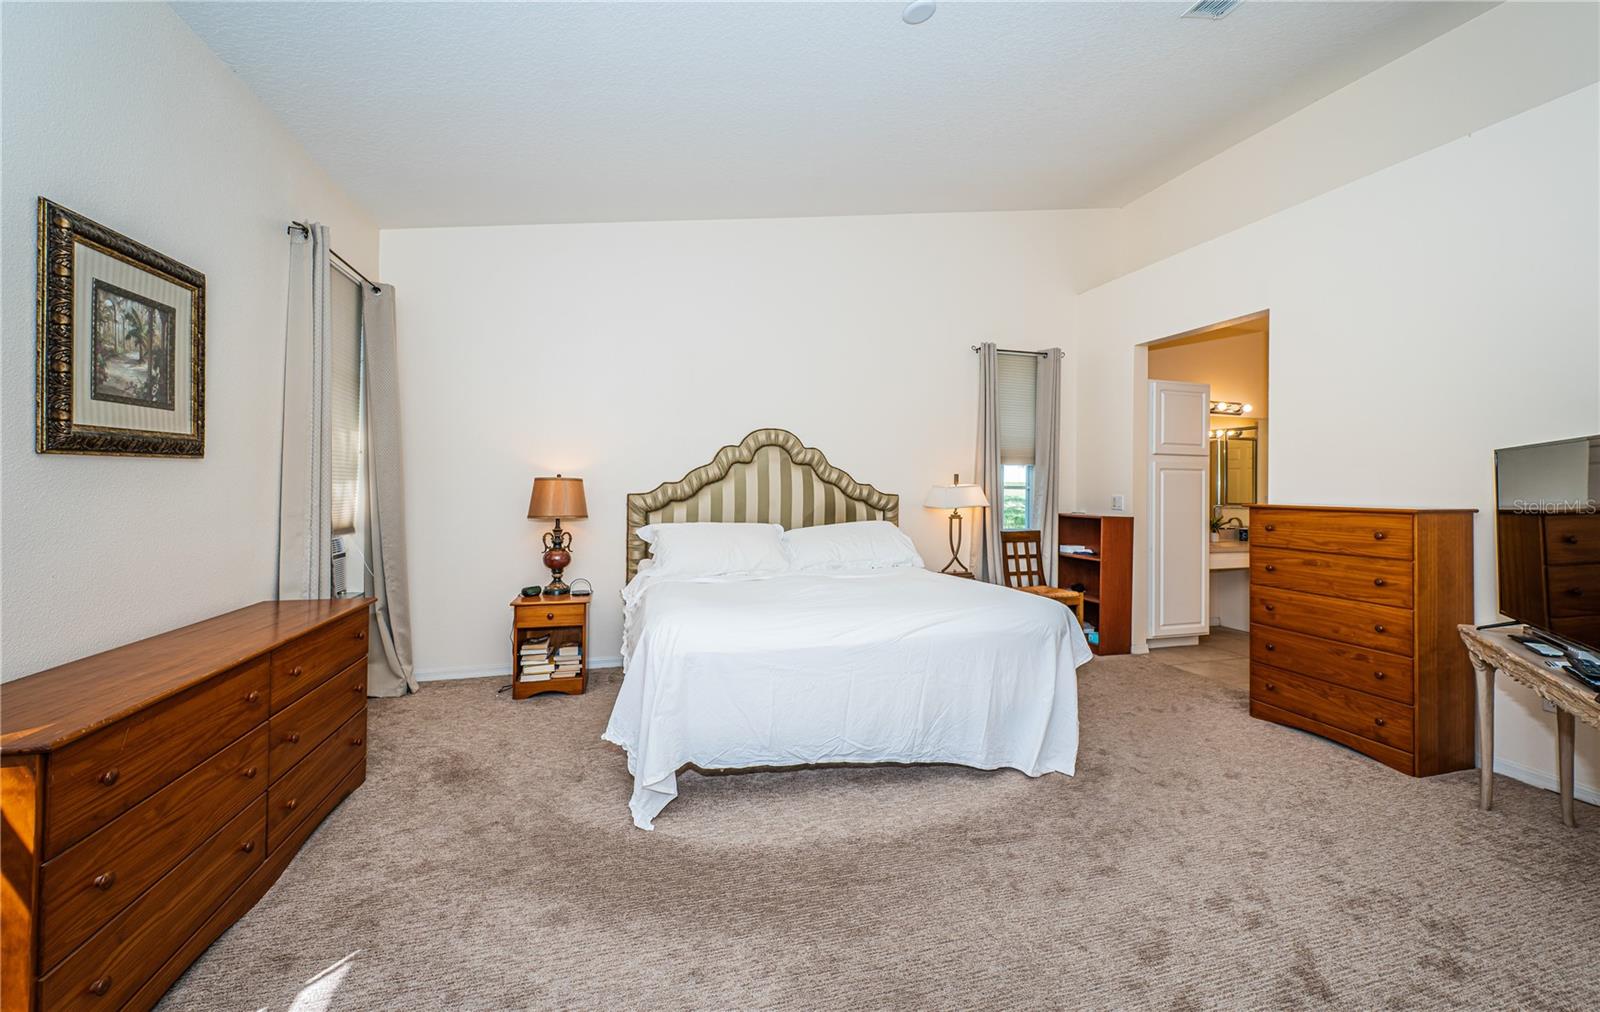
(951, 497)
(557, 498)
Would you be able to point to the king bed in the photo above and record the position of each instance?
(836, 646)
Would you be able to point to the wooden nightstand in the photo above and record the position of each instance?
(566, 621)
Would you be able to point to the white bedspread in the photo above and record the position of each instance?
(898, 665)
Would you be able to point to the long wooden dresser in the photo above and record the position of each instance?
(152, 793)
(1353, 616)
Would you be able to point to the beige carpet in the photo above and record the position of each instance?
(1199, 859)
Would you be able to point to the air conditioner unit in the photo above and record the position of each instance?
(340, 588)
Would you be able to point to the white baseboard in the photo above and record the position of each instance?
(495, 671)
(1547, 781)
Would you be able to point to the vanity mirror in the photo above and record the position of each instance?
(1234, 460)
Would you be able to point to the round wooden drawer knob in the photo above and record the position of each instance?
(1272, 527)
(1379, 629)
(1272, 607)
(249, 772)
(1269, 567)
(293, 737)
(361, 635)
(1380, 721)
(1380, 676)
(252, 697)
(105, 880)
(1271, 647)
(1378, 535)
(100, 986)
(248, 846)
(296, 671)
(1570, 539)
(291, 804)
(549, 615)
(355, 741)
(1272, 687)
(109, 777)
(1380, 582)
(1574, 591)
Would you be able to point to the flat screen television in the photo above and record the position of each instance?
(1547, 537)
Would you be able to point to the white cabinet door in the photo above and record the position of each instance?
(1180, 577)
(1180, 418)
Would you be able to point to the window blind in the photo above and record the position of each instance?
(344, 350)
(1015, 388)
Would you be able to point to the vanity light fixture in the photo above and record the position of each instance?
(1230, 408)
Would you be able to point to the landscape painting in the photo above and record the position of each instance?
(133, 348)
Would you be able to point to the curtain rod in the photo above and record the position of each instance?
(304, 229)
(1013, 351)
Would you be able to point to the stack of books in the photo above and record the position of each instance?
(568, 661)
(533, 659)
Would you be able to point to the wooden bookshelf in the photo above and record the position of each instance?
(1106, 576)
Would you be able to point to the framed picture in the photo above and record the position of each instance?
(122, 341)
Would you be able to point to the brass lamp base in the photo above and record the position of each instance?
(557, 557)
(954, 566)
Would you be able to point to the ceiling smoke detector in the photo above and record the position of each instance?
(918, 11)
(1211, 10)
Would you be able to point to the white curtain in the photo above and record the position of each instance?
(1046, 457)
(305, 475)
(988, 562)
(391, 674)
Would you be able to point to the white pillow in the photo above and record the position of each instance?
(861, 544)
(688, 551)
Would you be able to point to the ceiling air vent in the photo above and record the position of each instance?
(1211, 10)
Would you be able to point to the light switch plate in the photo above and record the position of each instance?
(1118, 503)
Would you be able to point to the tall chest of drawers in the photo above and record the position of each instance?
(152, 793)
(1353, 616)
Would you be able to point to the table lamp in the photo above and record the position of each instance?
(557, 499)
(955, 497)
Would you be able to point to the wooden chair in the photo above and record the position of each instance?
(1024, 571)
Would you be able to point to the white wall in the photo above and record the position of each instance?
(1512, 58)
(627, 354)
(120, 113)
(1450, 302)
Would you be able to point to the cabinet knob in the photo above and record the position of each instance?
(1379, 628)
(361, 635)
(1378, 535)
(1272, 687)
(252, 696)
(296, 671)
(1570, 539)
(549, 615)
(109, 777)
(105, 879)
(1574, 591)
(293, 737)
(248, 846)
(291, 804)
(355, 741)
(1272, 527)
(1269, 567)
(100, 986)
(1271, 607)
(356, 686)
(1380, 676)
(1380, 582)
(1379, 721)
(249, 772)
(1271, 647)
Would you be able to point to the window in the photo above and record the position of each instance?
(1015, 384)
(344, 349)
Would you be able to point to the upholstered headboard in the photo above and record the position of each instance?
(769, 477)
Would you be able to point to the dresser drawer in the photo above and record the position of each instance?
(533, 616)
(303, 665)
(1355, 667)
(97, 778)
(1381, 535)
(1574, 590)
(89, 884)
(1368, 625)
(107, 969)
(294, 797)
(310, 719)
(1380, 720)
(1583, 628)
(1571, 538)
(1372, 581)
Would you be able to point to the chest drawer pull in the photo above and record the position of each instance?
(355, 741)
(549, 616)
(1380, 582)
(104, 880)
(1378, 535)
(291, 804)
(1272, 687)
(293, 737)
(1269, 567)
(1570, 539)
(1272, 607)
(249, 772)
(109, 777)
(361, 635)
(1379, 628)
(1380, 676)
(100, 986)
(248, 846)
(1272, 646)
(252, 697)
(1574, 591)
(1379, 721)
(1272, 527)
(296, 671)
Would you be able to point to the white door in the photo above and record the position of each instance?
(1180, 577)
(1180, 418)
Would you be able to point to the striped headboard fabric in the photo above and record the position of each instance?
(768, 477)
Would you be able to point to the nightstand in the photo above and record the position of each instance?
(565, 620)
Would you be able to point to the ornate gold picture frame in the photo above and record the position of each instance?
(122, 334)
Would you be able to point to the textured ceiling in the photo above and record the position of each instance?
(474, 114)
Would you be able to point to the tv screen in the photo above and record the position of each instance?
(1547, 533)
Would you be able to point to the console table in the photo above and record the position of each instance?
(1494, 650)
